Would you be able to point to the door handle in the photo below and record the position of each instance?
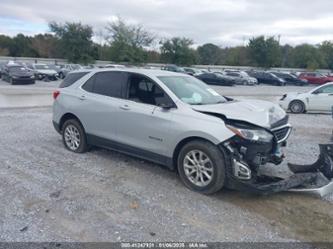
(125, 107)
(82, 97)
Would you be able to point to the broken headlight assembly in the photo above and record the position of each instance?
(276, 113)
(255, 135)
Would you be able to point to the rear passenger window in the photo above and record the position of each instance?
(88, 86)
(71, 79)
(107, 83)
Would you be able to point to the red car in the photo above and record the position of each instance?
(315, 78)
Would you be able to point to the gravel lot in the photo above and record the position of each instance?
(50, 194)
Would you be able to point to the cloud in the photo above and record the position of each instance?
(224, 22)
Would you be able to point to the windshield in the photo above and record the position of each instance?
(191, 90)
(41, 67)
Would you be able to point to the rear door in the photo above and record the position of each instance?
(99, 103)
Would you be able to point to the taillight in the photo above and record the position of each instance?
(55, 94)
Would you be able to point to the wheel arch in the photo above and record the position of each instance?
(66, 117)
(298, 100)
(181, 143)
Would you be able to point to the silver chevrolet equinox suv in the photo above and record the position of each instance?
(174, 120)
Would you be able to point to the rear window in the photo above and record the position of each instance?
(71, 78)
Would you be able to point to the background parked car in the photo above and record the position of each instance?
(2, 66)
(216, 79)
(318, 99)
(173, 68)
(42, 71)
(113, 66)
(90, 66)
(17, 74)
(242, 77)
(192, 71)
(56, 68)
(68, 68)
(267, 78)
(315, 78)
(235, 79)
(291, 79)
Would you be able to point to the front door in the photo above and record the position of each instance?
(322, 99)
(143, 125)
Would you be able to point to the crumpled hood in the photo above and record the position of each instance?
(256, 112)
(46, 71)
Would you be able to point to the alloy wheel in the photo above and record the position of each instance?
(198, 168)
(72, 137)
(296, 107)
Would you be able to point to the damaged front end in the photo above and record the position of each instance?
(252, 147)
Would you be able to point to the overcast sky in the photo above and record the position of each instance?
(223, 22)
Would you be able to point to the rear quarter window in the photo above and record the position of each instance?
(71, 79)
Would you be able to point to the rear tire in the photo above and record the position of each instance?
(74, 136)
(297, 106)
(201, 167)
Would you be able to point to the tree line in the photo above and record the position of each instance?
(127, 43)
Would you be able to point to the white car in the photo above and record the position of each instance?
(318, 99)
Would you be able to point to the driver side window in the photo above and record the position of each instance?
(325, 89)
(143, 90)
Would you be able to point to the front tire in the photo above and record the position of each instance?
(201, 167)
(297, 107)
(74, 136)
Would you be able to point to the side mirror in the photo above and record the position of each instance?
(167, 105)
(316, 92)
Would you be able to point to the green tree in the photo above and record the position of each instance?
(178, 51)
(265, 52)
(307, 56)
(21, 46)
(46, 46)
(286, 56)
(237, 56)
(75, 41)
(6, 43)
(128, 42)
(209, 54)
(326, 49)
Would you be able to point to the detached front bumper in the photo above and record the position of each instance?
(315, 179)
